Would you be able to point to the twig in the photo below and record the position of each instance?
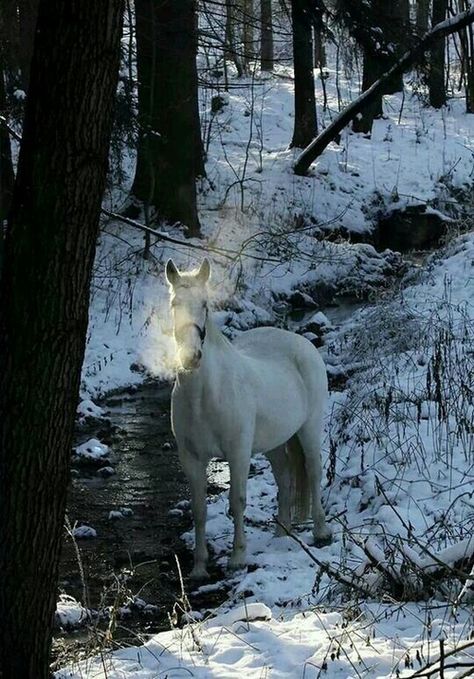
(223, 252)
(10, 130)
(325, 567)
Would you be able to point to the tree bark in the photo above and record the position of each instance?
(381, 51)
(266, 41)
(305, 125)
(247, 32)
(231, 53)
(436, 86)
(422, 16)
(438, 32)
(27, 13)
(9, 41)
(170, 153)
(44, 295)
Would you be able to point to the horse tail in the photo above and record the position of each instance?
(300, 487)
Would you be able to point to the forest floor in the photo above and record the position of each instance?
(391, 593)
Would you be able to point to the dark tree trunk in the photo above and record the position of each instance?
(27, 13)
(422, 16)
(170, 154)
(266, 42)
(382, 29)
(305, 126)
(231, 53)
(248, 20)
(44, 295)
(469, 69)
(6, 167)
(319, 47)
(436, 85)
(9, 40)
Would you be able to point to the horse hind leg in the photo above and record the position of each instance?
(300, 485)
(279, 462)
(309, 437)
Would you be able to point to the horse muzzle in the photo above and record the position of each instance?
(190, 362)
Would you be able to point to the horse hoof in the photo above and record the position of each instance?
(323, 540)
(236, 564)
(199, 573)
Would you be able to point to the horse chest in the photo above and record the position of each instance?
(203, 424)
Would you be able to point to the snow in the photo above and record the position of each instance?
(399, 450)
(70, 613)
(84, 532)
(92, 449)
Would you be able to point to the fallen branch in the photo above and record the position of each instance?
(351, 581)
(233, 255)
(9, 128)
(438, 32)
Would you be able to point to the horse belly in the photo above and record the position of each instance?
(281, 411)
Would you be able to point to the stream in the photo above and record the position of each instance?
(134, 554)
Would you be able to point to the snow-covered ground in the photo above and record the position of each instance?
(415, 155)
(399, 496)
(399, 448)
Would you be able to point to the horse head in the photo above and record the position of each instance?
(189, 306)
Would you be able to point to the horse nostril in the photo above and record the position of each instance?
(199, 355)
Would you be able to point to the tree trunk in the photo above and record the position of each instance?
(319, 47)
(305, 126)
(411, 57)
(247, 32)
(266, 43)
(44, 295)
(469, 69)
(379, 56)
(27, 14)
(9, 41)
(170, 149)
(436, 86)
(6, 167)
(231, 53)
(422, 16)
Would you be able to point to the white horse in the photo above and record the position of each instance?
(265, 392)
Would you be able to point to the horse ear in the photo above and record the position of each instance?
(204, 271)
(172, 273)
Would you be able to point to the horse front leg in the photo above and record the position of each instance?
(196, 473)
(239, 471)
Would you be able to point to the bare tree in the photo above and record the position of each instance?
(44, 296)
(305, 125)
(170, 149)
(266, 41)
(422, 16)
(27, 14)
(436, 85)
(381, 29)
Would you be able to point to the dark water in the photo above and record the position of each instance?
(138, 550)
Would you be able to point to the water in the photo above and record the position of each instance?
(149, 481)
